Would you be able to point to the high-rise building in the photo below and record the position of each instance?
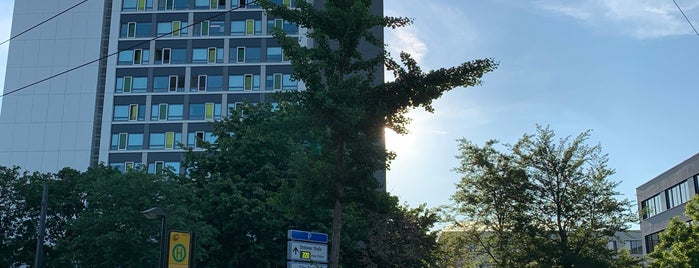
(664, 197)
(159, 72)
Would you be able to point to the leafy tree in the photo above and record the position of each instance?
(545, 203)
(679, 243)
(575, 208)
(401, 237)
(491, 204)
(109, 230)
(343, 98)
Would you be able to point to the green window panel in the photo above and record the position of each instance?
(176, 25)
(248, 82)
(162, 115)
(133, 112)
(131, 30)
(212, 55)
(128, 82)
(205, 28)
(277, 84)
(141, 5)
(241, 54)
(249, 27)
(123, 138)
(209, 111)
(169, 140)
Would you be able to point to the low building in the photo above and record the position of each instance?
(664, 197)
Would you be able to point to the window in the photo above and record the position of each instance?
(162, 56)
(652, 206)
(245, 54)
(247, 84)
(128, 84)
(173, 4)
(194, 139)
(240, 55)
(127, 141)
(135, 30)
(246, 27)
(204, 28)
(243, 82)
(128, 165)
(131, 112)
(121, 113)
(201, 82)
(634, 246)
(172, 29)
(172, 83)
(677, 195)
(165, 111)
(158, 167)
(167, 140)
(279, 81)
(652, 240)
(137, 5)
(136, 56)
(217, 28)
(205, 111)
(207, 55)
(287, 27)
(175, 112)
(274, 54)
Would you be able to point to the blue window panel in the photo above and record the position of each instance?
(214, 83)
(274, 54)
(125, 57)
(121, 113)
(237, 28)
(135, 141)
(175, 112)
(199, 55)
(178, 56)
(161, 83)
(143, 29)
(140, 84)
(196, 111)
(235, 82)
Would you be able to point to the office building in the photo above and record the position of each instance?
(175, 67)
(665, 197)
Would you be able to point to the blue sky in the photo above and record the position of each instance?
(624, 68)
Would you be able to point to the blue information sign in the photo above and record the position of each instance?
(307, 236)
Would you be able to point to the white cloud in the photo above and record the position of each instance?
(406, 39)
(642, 19)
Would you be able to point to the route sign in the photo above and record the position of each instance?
(307, 252)
(179, 253)
(307, 236)
(292, 264)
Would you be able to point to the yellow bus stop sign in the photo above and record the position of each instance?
(179, 253)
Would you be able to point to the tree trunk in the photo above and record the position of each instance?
(337, 211)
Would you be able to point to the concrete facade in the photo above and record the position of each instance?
(665, 197)
(158, 87)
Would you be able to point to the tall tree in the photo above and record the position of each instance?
(576, 207)
(679, 243)
(343, 98)
(491, 204)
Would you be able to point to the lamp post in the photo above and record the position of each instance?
(154, 213)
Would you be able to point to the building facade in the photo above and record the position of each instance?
(664, 197)
(166, 70)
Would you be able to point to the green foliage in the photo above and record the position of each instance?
(345, 97)
(679, 243)
(94, 217)
(491, 203)
(548, 203)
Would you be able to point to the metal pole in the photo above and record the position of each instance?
(163, 250)
(42, 226)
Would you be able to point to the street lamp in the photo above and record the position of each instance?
(154, 213)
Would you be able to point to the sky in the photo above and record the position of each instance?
(625, 69)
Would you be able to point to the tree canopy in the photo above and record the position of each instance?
(544, 203)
